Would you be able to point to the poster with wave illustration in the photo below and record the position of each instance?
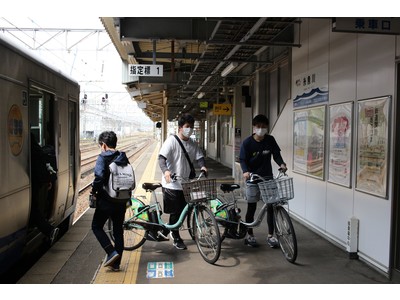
(311, 87)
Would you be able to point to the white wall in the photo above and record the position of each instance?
(360, 66)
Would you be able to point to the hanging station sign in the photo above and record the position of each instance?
(367, 25)
(145, 70)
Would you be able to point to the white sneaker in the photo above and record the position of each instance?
(272, 242)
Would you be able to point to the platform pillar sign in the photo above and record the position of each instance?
(222, 109)
(145, 70)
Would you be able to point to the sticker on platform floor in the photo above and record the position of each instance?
(160, 269)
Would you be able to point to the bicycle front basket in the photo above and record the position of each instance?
(276, 190)
(200, 190)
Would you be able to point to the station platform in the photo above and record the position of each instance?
(77, 257)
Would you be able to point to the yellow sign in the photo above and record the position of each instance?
(204, 104)
(222, 109)
(15, 130)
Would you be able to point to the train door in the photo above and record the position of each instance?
(73, 160)
(43, 157)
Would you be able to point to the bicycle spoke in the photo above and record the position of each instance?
(134, 235)
(285, 233)
(206, 234)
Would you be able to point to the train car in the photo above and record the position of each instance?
(39, 109)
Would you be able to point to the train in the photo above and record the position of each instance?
(39, 106)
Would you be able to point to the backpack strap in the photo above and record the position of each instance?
(185, 152)
(107, 169)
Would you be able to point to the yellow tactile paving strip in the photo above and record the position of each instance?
(130, 259)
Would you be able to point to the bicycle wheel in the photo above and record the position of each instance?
(134, 235)
(285, 233)
(221, 216)
(206, 233)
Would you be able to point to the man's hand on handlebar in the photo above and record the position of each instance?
(246, 176)
(204, 171)
(283, 168)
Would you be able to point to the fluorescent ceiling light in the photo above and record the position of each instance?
(200, 95)
(229, 69)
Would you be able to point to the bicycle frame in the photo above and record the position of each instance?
(148, 225)
(141, 226)
(276, 193)
(233, 203)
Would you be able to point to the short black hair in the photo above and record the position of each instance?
(109, 138)
(260, 119)
(185, 118)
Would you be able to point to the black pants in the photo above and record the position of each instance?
(116, 212)
(174, 203)
(251, 210)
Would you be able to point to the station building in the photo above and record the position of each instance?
(331, 98)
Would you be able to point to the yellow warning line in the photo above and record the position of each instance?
(130, 259)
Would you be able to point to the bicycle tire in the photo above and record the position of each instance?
(206, 234)
(221, 224)
(285, 233)
(189, 222)
(134, 235)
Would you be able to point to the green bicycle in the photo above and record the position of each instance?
(143, 222)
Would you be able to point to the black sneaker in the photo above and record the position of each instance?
(179, 244)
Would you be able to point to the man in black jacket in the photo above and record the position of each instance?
(107, 207)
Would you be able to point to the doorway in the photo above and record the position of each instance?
(396, 193)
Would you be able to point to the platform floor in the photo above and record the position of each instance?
(77, 257)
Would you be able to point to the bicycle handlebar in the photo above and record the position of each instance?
(175, 177)
(254, 176)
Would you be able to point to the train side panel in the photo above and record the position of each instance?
(23, 80)
(14, 183)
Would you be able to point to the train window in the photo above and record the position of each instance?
(41, 116)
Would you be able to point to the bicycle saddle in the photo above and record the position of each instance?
(149, 186)
(229, 187)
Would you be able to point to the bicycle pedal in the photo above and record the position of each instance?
(161, 234)
(150, 237)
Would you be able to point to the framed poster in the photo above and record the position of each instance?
(372, 146)
(308, 141)
(340, 145)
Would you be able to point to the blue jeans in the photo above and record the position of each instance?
(116, 212)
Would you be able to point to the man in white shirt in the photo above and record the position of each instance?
(172, 160)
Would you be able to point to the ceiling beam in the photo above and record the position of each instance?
(189, 29)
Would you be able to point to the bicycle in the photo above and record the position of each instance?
(276, 192)
(143, 222)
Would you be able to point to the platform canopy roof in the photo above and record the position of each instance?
(203, 59)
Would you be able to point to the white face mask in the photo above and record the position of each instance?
(260, 131)
(187, 131)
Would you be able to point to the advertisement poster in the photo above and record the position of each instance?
(372, 146)
(308, 141)
(340, 130)
(311, 87)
